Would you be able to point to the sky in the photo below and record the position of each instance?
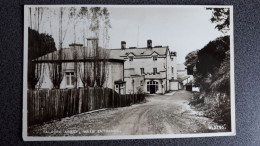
(183, 29)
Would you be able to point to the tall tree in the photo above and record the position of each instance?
(38, 45)
(97, 20)
(57, 67)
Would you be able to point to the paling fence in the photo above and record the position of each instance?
(47, 105)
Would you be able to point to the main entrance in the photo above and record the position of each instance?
(152, 87)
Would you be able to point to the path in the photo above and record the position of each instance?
(161, 114)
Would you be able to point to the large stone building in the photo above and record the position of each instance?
(77, 63)
(148, 69)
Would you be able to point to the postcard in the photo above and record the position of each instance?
(101, 72)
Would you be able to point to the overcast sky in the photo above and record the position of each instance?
(183, 29)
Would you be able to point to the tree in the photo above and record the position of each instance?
(221, 16)
(191, 60)
(91, 69)
(84, 16)
(56, 67)
(97, 57)
(38, 45)
(101, 66)
(212, 55)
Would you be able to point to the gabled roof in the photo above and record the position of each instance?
(131, 54)
(161, 51)
(154, 53)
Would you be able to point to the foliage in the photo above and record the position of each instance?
(212, 55)
(221, 16)
(190, 61)
(212, 66)
(39, 44)
(212, 75)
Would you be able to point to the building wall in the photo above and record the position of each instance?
(161, 86)
(174, 85)
(147, 63)
(134, 84)
(164, 65)
(171, 74)
(116, 73)
(114, 70)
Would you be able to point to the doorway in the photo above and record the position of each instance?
(152, 87)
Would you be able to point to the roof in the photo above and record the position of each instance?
(69, 53)
(161, 51)
(183, 78)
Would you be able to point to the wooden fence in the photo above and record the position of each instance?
(47, 105)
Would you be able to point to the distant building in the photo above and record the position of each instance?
(148, 69)
(181, 70)
(185, 78)
(72, 67)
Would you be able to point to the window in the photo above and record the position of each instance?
(131, 58)
(154, 58)
(69, 78)
(172, 58)
(154, 71)
(120, 88)
(142, 71)
(172, 69)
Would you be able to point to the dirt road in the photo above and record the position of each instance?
(161, 114)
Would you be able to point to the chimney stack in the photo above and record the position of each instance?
(149, 44)
(123, 44)
(92, 46)
(75, 46)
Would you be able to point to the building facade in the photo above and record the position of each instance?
(149, 69)
(77, 68)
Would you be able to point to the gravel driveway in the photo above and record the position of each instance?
(160, 114)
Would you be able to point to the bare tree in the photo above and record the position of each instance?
(101, 66)
(57, 66)
(84, 17)
(35, 69)
(100, 19)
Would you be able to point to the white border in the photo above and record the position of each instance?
(54, 138)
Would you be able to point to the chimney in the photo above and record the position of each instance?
(75, 46)
(149, 44)
(173, 53)
(123, 44)
(92, 46)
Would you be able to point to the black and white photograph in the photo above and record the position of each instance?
(94, 72)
